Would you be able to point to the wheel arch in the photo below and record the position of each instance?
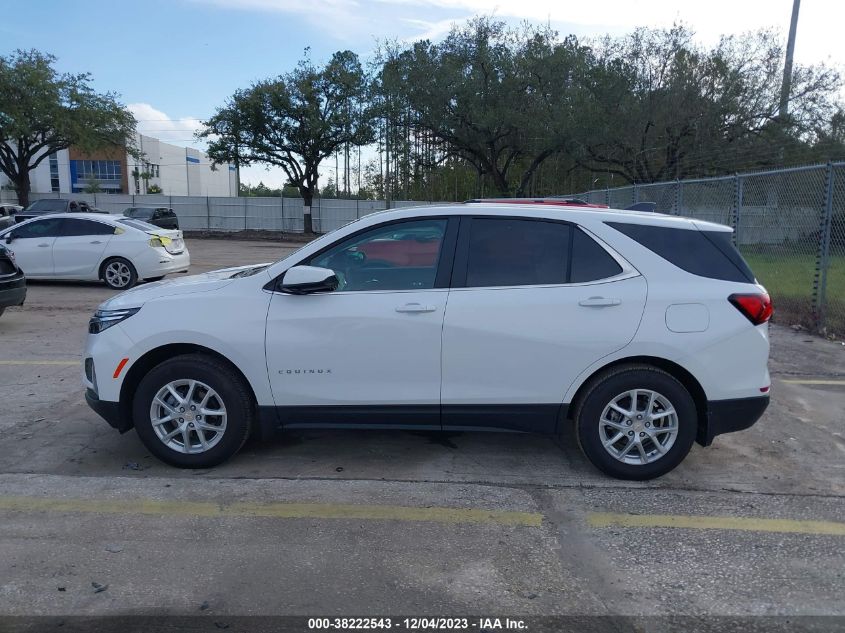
(680, 373)
(101, 269)
(158, 355)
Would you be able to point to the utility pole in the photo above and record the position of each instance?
(786, 86)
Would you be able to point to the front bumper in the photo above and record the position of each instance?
(109, 411)
(727, 416)
(12, 291)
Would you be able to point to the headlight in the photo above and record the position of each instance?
(11, 255)
(104, 319)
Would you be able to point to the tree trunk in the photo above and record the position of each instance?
(23, 187)
(307, 198)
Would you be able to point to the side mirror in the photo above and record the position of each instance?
(303, 280)
(9, 238)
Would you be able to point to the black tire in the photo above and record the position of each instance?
(112, 282)
(232, 391)
(154, 278)
(603, 389)
(2, 310)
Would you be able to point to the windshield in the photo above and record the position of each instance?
(140, 212)
(139, 224)
(43, 206)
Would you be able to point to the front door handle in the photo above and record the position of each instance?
(598, 302)
(43, 245)
(96, 242)
(416, 307)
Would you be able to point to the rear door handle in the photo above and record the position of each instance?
(599, 302)
(43, 245)
(96, 242)
(416, 307)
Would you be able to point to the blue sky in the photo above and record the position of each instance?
(174, 61)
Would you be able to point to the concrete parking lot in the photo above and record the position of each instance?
(369, 523)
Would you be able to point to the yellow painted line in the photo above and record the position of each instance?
(743, 524)
(271, 510)
(799, 381)
(40, 362)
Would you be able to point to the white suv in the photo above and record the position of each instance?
(645, 332)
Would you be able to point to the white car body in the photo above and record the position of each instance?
(499, 357)
(81, 256)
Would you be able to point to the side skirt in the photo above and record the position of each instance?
(530, 418)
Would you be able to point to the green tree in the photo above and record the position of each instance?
(43, 111)
(294, 121)
(502, 100)
(92, 186)
(661, 106)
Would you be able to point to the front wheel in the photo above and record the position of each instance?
(636, 422)
(193, 411)
(119, 273)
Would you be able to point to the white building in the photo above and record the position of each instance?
(176, 171)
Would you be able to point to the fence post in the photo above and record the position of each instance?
(676, 209)
(245, 197)
(357, 209)
(737, 201)
(823, 255)
(606, 195)
(208, 213)
(636, 194)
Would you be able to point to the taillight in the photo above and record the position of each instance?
(757, 308)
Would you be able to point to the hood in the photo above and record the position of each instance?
(204, 282)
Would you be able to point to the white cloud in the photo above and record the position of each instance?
(818, 39)
(158, 124)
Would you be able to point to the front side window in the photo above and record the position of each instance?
(50, 227)
(75, 228)
(399, 256)
(514, 252)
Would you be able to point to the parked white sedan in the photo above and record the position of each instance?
(92, 246)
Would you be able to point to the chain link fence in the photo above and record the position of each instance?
(789, 225)
(199, 213)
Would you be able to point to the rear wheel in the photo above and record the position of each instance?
(636, 422)
(193, 411)
(119, 273)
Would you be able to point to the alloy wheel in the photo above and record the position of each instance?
(638, 426)
(118, 274)
(188, 416)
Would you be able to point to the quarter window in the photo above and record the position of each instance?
(512, 252)
(590, 262)
(400, 256)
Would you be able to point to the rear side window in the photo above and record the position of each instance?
(590, 262)
(76, 228)
(705, 253)
(512, 252)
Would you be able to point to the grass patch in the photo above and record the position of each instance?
(789, 280)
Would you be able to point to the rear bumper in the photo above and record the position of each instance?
(109, 411)
(12, 291)
(727, 416)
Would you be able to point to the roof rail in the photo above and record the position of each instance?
(551, 200)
